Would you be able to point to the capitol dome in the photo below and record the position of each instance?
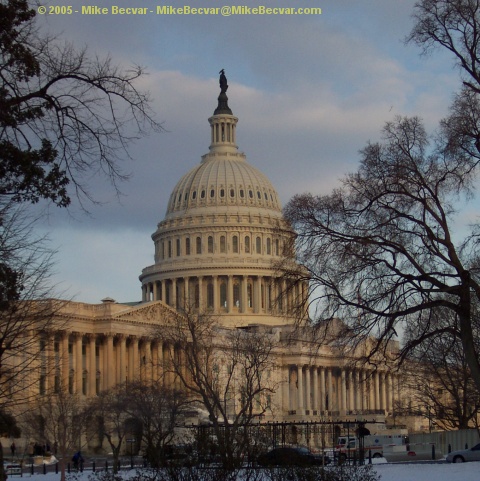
(222, 236)
(223, 182)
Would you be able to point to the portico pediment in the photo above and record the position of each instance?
(152, 312)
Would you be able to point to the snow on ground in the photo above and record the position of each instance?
(389, 472)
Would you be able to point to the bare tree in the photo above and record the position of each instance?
(158, 409)
(380, 251)
(226, 371)
(59, 419)
(65, 115)
(111, 408)
(438, 380)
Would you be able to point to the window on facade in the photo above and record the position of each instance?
(185, 198)
(236, 294)
(178, 247)
(232, 193)
(169, 248)
(235, 244)
(249, 295)
(222, 192)
(210, 244)
(269, 246)
(210, 296)
(187, 246)
(202, 194)
(212, 193)
(247, 245)
(223, 294)
(197, 296)
(194, 195)
(265, 195)
(42, 384)
(259, 195)
(223, 244)
(258, 245)
(199, 245)
(242, 193)
(250, 194)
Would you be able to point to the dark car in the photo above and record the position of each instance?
(288, 456)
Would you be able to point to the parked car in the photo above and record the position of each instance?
(292, 456)
(472, 454)
(12, 468)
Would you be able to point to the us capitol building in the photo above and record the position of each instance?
(215, 251)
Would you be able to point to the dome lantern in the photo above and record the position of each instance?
(223, 123)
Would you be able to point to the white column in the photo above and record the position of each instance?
(351, 391)
(300, 407)
(92, 366)
(123, 359)
(173, 300)
(65, 361)
(229, 293)
(377, 390)
(216, 294)
(315, 389)
(244, 299)
(343, 381)
(308, 391)
(330, 390)
(77, 353)
(200, 293)
(322, 389)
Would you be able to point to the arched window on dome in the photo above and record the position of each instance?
(194, 195)
(259, 195)
(247, 245)
(210, 244)
(178, 247)
(212, 193)
(202, 194)
(199, 245)
(187, 246)
(169, 248)
(250, 194)
(232, 192)
(269, 246)
(210, 296)
(242, 193)
(222, 193)
(223, 244)
(223, 294)
(235, 244)
(258, 245)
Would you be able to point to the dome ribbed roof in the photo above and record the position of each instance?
(220, 181)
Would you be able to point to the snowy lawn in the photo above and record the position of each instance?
(389, 472)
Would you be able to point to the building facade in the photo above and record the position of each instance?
(216, 251)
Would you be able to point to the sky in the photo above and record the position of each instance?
(309, 91)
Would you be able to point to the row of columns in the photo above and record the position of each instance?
(267, 294)
(315, 390)
(86, 364)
